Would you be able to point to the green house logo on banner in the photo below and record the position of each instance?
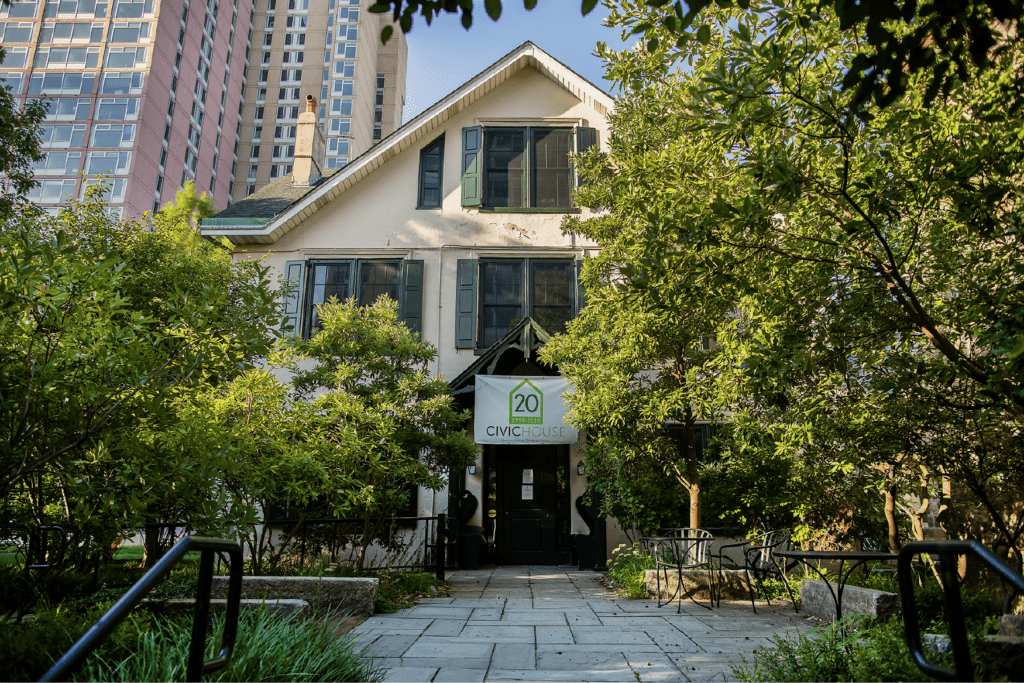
(526, 404)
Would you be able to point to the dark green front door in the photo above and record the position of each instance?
(531, 492)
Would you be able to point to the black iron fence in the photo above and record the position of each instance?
(409, 543)
(340, 539)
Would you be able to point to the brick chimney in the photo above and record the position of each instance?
(307, 168)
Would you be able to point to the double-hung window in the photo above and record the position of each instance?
(494, 295)
(315, 282)
(522, 167)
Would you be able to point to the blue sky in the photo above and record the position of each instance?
(444, 55)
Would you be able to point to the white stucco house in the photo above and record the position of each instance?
(458, 215)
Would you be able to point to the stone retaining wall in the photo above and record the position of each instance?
(292, 610)
(345, 595)
(818, 602)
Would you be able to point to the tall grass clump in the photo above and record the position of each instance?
(627, 571)
(268, 648)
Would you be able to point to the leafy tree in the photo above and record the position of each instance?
(274, 451)
(946, 40)
(19, 145)
(188, 207)
(635, 369)
(98, 343)
(939, 43)
(873, 264)
(369, 380)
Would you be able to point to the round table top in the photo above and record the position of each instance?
(855, 555)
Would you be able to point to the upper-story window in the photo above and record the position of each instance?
(22, 10)
(311, 283)
(527, 167)
(494, 295)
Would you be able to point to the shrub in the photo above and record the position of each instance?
(627, 571)
(29, 649)
(876, 652)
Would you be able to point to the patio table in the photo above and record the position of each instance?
(856, 557)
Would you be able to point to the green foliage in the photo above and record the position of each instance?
(150, 647)
(399, 590)
(268, 649)
(861, 279)
(29, 648)
(937, 42)
(187, 209)
(396, 425)
(104, 327)
(19, 147)
(627, 568)
(875, 652)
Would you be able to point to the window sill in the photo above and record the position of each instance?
(479, 352)
(526, 209)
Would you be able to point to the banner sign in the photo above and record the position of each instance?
(522, 410)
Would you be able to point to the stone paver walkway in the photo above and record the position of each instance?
(547, 624)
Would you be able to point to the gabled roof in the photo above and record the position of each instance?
(247, 221)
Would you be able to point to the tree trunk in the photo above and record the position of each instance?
(364, 542)
(149, 545)
(692, 468)
(890, 512)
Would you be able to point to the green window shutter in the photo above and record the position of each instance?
(465, 304)
(585, 139)
(472, 163)
(294, 273)
(412, 295)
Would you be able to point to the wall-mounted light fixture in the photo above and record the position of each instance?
(472, 468)
(581, 469)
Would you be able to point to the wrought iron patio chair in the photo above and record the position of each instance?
(759, 562)
(679, 550)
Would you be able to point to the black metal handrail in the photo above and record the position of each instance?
(947, 552)
(196, 667)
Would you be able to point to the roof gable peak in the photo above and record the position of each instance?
(298, 206)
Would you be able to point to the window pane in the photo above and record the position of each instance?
(552, 294)
(503, 148)
(377, 279)
(328, 281)
(550, 156)
(501, 291)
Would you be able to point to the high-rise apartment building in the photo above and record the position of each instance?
(143, 92)
(151, 93)
(330, 49)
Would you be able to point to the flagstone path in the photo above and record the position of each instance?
(533, 623)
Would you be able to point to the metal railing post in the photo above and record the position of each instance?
(948, 551)
(441, 540)
(200, 618)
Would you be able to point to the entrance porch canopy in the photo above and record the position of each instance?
(513, 354)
